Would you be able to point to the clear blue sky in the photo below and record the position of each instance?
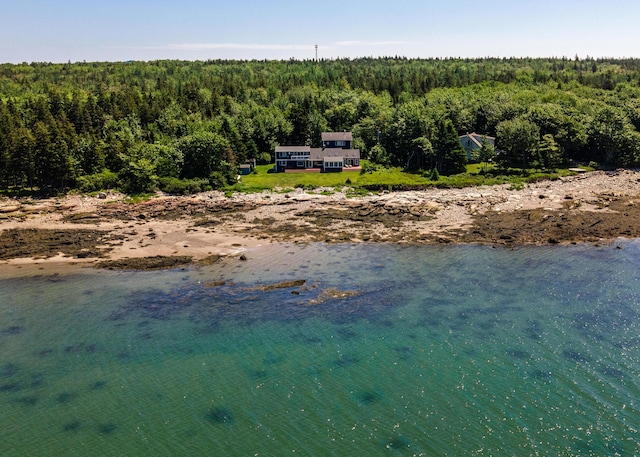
(113, 30)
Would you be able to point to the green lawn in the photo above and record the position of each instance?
(387, 178)
(263, 180)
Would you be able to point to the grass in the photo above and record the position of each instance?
(138, 198)
(390, 179)
(358, 184)
(274, 181)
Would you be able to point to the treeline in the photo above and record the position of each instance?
(141, 125)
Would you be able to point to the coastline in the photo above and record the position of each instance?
(77, 230)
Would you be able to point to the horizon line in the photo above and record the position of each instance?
(329, 59)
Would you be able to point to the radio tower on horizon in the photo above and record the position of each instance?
(316, 52)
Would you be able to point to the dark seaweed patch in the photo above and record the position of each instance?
(397, 443)
(346, 360)
(27, 401)
(629, 343)
(258, 374)
(309, 339)
(8, 370)
(11, 387)
(436, 301)
(125, 356)
(81, 348)
(517, 354)
(219, 415)
(368, 397)
(37, 380)
(65, 397)
(585, 321)
(575, 356)
(273, 360)
(73, 349)
(72, 426)
(612, 372)
(346, 333)
(207, 307)
(107, 428)
(404, 352)
(118, 315)
(534, 330)
(98, 385)
(12, 330)
(605, 322)
(488, 325)
(543, 375)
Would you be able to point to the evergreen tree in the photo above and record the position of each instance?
(450, 156)
(549, 154)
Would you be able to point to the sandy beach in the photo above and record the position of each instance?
(595, 207)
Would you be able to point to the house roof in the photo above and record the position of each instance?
(477, 138)
(293, 148)
(337, 136)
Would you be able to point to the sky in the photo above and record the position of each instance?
(119, 30)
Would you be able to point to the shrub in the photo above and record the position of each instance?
(217, 180)
(263, 158)
(177, 186)
(98, 181)
(137, 176)
(368, 167)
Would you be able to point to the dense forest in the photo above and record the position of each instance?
(144, 125)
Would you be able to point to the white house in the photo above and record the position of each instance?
(336, 154)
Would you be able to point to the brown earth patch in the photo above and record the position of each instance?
(331, 294)
(43, 243)
(172, 209)
(351, 222)
(146, 263)
(282, 285)
(83, 218)
(617, 217)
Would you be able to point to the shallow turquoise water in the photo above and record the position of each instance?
(458, 350)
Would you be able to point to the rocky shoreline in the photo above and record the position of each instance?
(168, 231)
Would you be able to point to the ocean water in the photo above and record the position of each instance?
(384, 350)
